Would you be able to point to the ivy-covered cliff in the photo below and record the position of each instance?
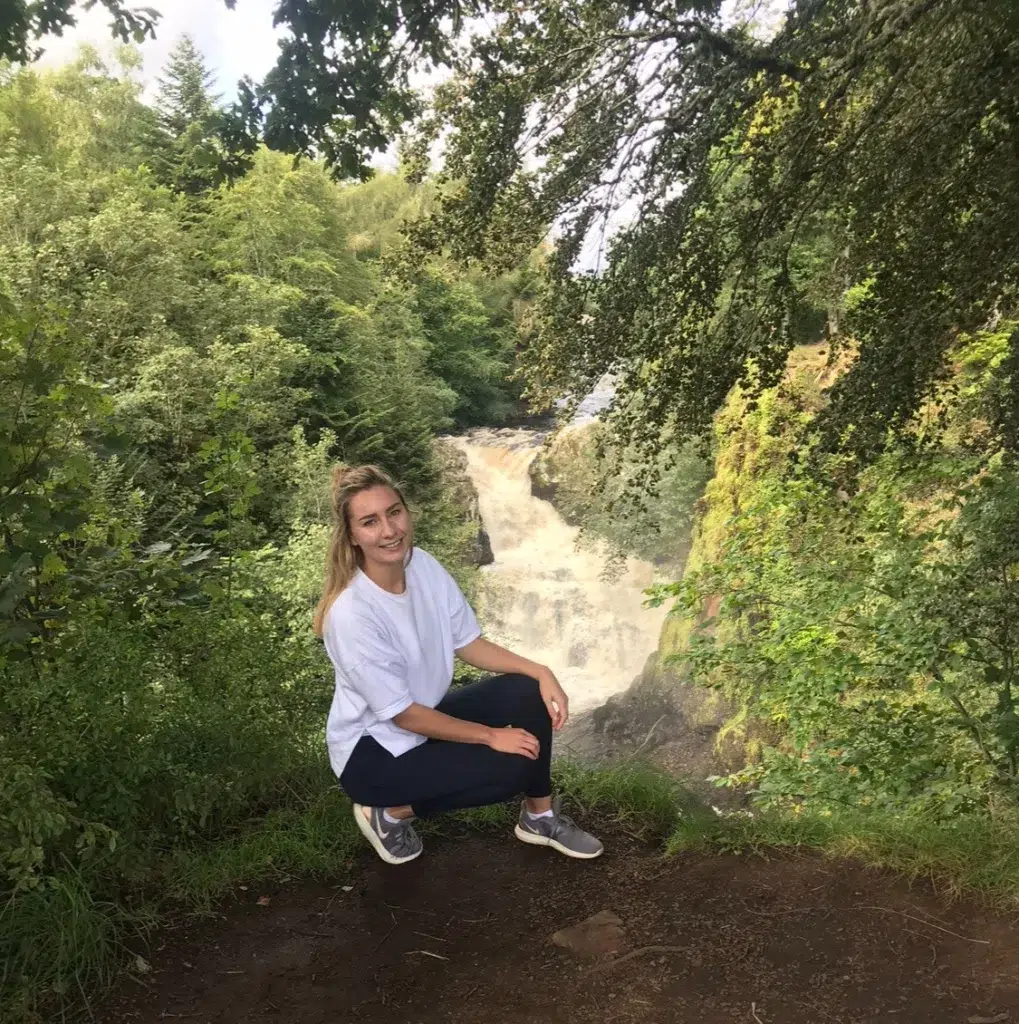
(859, 626)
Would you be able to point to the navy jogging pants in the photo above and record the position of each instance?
(439, 775)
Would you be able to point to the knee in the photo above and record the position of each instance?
(524, 693)
(532, 707)
(517, 686)
(525, 707)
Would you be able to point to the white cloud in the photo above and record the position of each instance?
(235, 43)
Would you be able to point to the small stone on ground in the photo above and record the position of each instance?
(598, 935)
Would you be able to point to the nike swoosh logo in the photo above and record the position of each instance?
(383, 835)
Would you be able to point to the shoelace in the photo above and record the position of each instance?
(404, 838)
(562, 821)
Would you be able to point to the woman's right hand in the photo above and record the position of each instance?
(515, 741)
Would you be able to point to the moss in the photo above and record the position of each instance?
(754, 438)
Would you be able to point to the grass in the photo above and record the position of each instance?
(633, 794)
(972, 854)
(316, 838)
(59, 944)
(320, 837)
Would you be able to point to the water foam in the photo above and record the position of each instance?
(545, 598)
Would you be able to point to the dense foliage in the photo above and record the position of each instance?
(180, 363)
(848, 173)
(868, 639)
(760, 174)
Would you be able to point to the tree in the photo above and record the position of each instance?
(879, 137)
(185, 154)
(20, 23)
(871, 125)
(45, 406)
(185, 89)
(886, 129)
(341, 86)
(466, 349)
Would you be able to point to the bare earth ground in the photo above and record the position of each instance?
(462, 934)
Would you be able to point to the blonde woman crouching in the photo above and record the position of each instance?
(402, 743)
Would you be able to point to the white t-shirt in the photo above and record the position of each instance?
(391, 651)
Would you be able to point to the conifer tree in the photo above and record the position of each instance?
(185, 152)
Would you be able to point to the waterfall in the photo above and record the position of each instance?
(543, 597)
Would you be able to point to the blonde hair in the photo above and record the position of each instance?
(344, 558)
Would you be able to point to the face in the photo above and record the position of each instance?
(380, 525)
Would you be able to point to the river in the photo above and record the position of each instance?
(542, 596)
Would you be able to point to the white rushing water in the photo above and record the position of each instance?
(545, 598)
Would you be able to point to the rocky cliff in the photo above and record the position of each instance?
(691, 731)
(460, 489)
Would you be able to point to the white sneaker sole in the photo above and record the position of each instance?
(530, 837)
(369, 833)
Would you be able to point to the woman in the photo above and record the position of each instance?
(402, 743)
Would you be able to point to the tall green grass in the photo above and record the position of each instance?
(59, 945)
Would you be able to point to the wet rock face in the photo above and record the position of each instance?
(482, 546)
(666, 721)
(543, 483)
(545, 486)
(453, 466)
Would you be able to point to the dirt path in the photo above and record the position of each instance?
(463, 934)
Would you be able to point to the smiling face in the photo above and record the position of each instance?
(380, 526)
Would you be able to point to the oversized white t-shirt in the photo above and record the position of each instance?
(391, 651)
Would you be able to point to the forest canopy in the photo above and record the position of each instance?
(719, 188)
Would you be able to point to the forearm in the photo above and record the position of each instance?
(490, 657)
(438, 726)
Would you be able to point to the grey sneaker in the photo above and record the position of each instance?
(395, 844)
(559, 832)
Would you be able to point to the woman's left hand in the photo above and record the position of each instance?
(555, 699)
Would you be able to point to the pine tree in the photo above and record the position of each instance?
(185, 149)
(184, 89)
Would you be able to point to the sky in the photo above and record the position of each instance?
(235, 43)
